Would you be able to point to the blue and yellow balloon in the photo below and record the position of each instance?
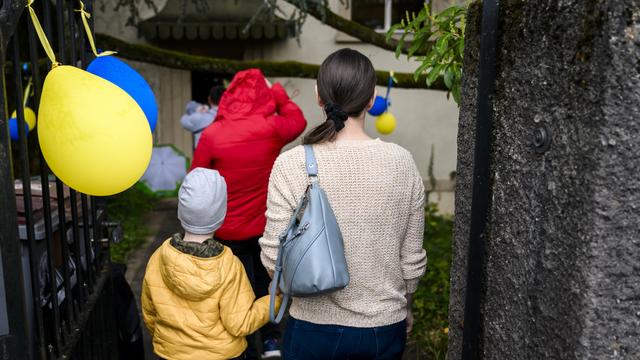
(122, 75)
(30, 123)
(93, 135)
(386, 122)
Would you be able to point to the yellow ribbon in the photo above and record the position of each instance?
(85, 15)
(41, 35)
(27, 92)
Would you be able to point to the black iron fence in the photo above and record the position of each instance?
(56, 294)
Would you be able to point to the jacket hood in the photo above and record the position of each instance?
(247, 94)
(191, 277)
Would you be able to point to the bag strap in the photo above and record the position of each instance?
(312, 171)
(273, 317)
(312, 164)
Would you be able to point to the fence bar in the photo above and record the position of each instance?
(87, 242)
(46, 199)
(69, 297)
(62, 51)
(28, 208)
(81, 285)
(72, 30)
(103, 276)
(64, 247)
(97, 228)
(10, 246)
(46, 14)
(83, 42)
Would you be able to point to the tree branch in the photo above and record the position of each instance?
(352, 28)
(178, 60)
(349, 27)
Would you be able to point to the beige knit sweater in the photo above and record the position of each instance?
(378, 198)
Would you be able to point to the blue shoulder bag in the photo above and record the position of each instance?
(311, 257)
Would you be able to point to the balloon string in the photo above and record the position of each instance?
(85, 15)
(27, 91)
(391, 73)
(41, 35)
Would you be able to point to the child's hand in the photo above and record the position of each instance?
(278, 292)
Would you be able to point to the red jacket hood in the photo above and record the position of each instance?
(247, 94)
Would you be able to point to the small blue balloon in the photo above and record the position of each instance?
(13, 129)
(119, 73)
(379, 106)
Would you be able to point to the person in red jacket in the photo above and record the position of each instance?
(254, 122)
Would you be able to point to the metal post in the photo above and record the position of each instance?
(55, 327)
(38, 331)
(481, 200)
(10, 247)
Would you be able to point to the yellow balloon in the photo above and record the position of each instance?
(29, 117)
(93, 135)
(386, 123)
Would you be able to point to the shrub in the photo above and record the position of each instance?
(129, 208)
(431, 300)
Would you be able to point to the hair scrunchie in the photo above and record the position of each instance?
(335, 114)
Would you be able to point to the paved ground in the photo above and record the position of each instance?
(163, 223)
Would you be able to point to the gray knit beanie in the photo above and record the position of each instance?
(202, 201)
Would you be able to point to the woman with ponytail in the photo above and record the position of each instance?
(377, 195)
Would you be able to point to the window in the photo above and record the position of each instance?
(381, 14)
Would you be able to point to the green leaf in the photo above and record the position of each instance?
(449, 76)
(392, 31)
(420, 70)
(418, 42)
(441, 43)
(437, 43)
(434, 74)
(455, 91)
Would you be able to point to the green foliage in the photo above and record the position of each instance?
(436, 41)
(129, 208)
(431, 300)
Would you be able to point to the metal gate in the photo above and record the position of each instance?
(56, 294)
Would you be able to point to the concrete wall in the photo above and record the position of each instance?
(563, 240)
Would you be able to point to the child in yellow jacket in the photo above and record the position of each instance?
(197, 300)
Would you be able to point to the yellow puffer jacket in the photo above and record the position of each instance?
(199, 308)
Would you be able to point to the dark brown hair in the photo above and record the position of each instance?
(215, 94)
(346, 84)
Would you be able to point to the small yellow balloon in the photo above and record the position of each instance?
(93, 135)
(386, 123)
(29, 117)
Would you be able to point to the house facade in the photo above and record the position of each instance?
(426, 120)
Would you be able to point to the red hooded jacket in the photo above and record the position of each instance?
(253, 124)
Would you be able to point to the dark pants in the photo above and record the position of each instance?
(308, 341)
(248, 251)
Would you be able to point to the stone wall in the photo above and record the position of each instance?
(563, 247)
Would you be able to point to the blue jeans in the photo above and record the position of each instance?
(308, 341)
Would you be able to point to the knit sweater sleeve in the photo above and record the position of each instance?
(280, 207)
(413, 255)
